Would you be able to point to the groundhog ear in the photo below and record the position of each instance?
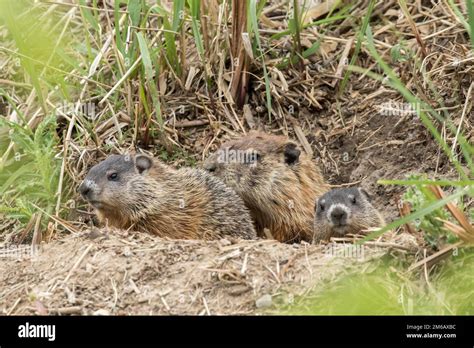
(292, 153)
(366, 194)
(143, 163)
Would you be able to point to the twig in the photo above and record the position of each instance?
(436, 257)
(76, 265)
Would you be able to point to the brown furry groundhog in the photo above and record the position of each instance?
(343, 211)
(143, 194)
(276, 180)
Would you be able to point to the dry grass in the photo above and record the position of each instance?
(177, 86)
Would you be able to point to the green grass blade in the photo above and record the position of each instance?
(170, 38)
(470, 12)
(178, 14)
(87, 14)
(418, 214)
(427, 182)
(146, 60)
(306, 53)
(396, 83)
(360, 38)
(134, 10)
(252, 9)
(458, 14)
(118, 36)
(194, 6)
(309, 25)
(149, 75)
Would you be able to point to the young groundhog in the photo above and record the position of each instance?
(343, 211)
(146, 195)
(276, 180)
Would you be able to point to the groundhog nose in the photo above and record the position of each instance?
(84, 190)
(338, 215)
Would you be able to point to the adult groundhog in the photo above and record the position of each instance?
(276, 180)
(343, 211)
(143, 194)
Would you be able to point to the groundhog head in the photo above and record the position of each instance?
(114, 184)
(253, 165)
(347, 210)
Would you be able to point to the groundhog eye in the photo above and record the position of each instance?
(321, 206)
(353, 200)
(113, 176)
(211, 169)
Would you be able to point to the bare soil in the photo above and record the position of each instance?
(354, 142)
(118, 273)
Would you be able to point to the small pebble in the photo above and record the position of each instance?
(264, 301)
(127, 252)
(101, 312)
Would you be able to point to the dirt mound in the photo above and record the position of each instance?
(122, 273)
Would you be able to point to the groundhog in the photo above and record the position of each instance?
(343, 211)
(276, 180)
(142, 194)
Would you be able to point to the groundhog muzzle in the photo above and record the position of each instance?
(277, 181)
(143, 194)
(343, 211)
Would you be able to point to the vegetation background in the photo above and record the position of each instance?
(379, 92)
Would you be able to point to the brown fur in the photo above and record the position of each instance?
(279, 186)
(153, 197)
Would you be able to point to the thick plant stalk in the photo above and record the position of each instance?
(240, 80)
